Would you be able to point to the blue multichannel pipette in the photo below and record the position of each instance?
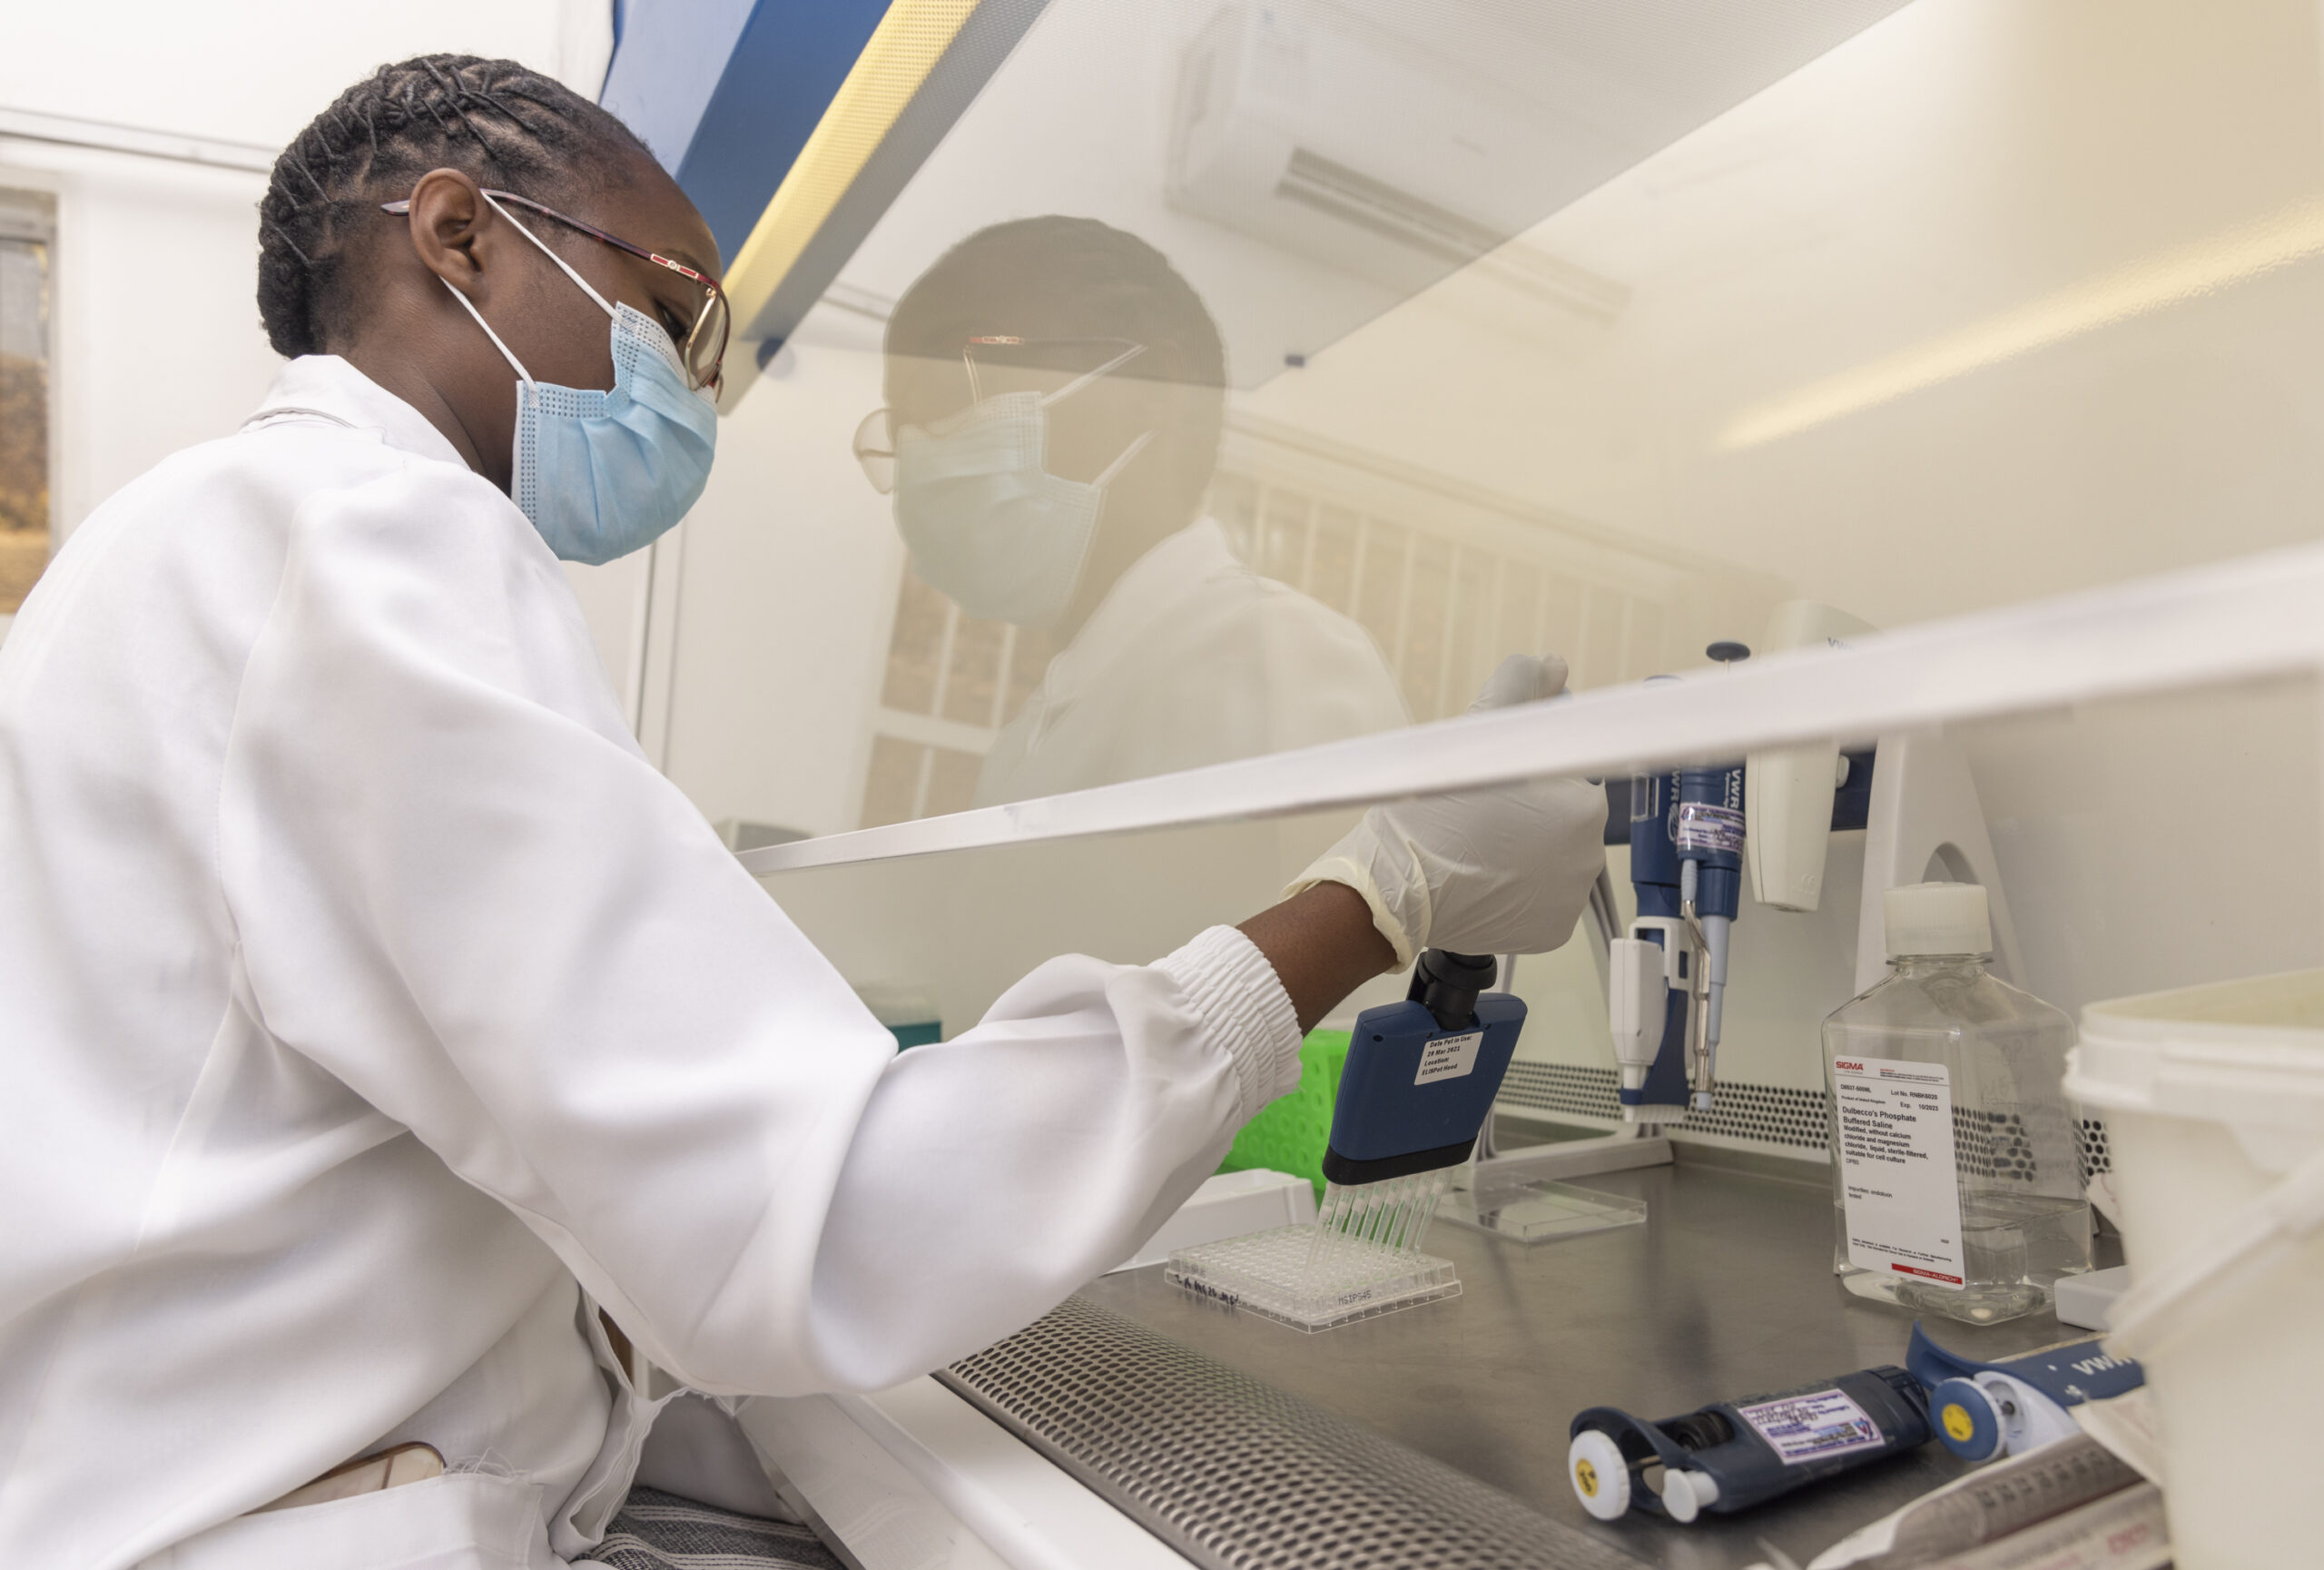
(1418, 1084)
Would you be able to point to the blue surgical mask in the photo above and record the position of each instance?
(602, 474)
(987, 523)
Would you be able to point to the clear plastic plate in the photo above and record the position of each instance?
(1536, 1210)
(1312, 1279)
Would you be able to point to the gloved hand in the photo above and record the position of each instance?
(1489, 872)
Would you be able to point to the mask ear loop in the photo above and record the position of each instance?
(469, 306)
(1115, 467)
(1086, 377)
(976, 392)
(563, 265)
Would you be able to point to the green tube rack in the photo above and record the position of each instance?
(1290, 1135)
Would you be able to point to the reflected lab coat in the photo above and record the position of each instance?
(1190, 658)
(372, 1007)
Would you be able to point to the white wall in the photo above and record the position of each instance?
(154, 315)
(256, 71)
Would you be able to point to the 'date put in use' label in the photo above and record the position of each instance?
(1448, 1057)
(1901, 1195)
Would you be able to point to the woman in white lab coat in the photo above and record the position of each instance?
(376, 1013)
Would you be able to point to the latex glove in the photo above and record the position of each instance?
(1489, 872)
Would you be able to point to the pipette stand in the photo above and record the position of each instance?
(1926, 825)
(1924, 821)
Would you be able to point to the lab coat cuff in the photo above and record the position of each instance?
(1236, 993)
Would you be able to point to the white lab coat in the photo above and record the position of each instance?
(1191, 659)
(372, 1008)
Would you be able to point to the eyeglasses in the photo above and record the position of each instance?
(875, 437)
(704, 347)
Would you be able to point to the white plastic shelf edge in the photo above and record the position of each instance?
(2254, 617)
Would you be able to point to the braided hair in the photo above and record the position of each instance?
(1060, 277)
(494, 119)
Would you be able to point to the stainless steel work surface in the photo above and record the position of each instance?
(1236, 1474)
(1726, 1291)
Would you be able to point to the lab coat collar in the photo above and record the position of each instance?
(1157, 586)
(328, 386)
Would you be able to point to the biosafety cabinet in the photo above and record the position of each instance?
(1918, 403)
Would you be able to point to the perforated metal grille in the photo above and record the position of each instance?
(1993, 1144)
(2092, 1151)
(1235, 1474)
(1990, 1144)
(1771, 1114)
(1568, 1088)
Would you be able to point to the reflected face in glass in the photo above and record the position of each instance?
(1072, 512)
(1079, 460)
(985, 513)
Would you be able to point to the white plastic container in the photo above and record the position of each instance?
(2214, 1102)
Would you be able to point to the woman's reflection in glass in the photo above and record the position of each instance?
(1056, 397)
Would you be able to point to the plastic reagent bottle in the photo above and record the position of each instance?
(1954, 1187)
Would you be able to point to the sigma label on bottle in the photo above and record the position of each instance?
(1899, 1188)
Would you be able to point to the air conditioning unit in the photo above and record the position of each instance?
(1339, 141)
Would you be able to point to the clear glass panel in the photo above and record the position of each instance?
(2126, 851)
(1471, 329)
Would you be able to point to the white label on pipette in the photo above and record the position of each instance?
(1901, 1195)
(1448, 1057)
(1810, 1426)
(1704, 826)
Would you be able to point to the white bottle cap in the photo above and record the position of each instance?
(1937, 919)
